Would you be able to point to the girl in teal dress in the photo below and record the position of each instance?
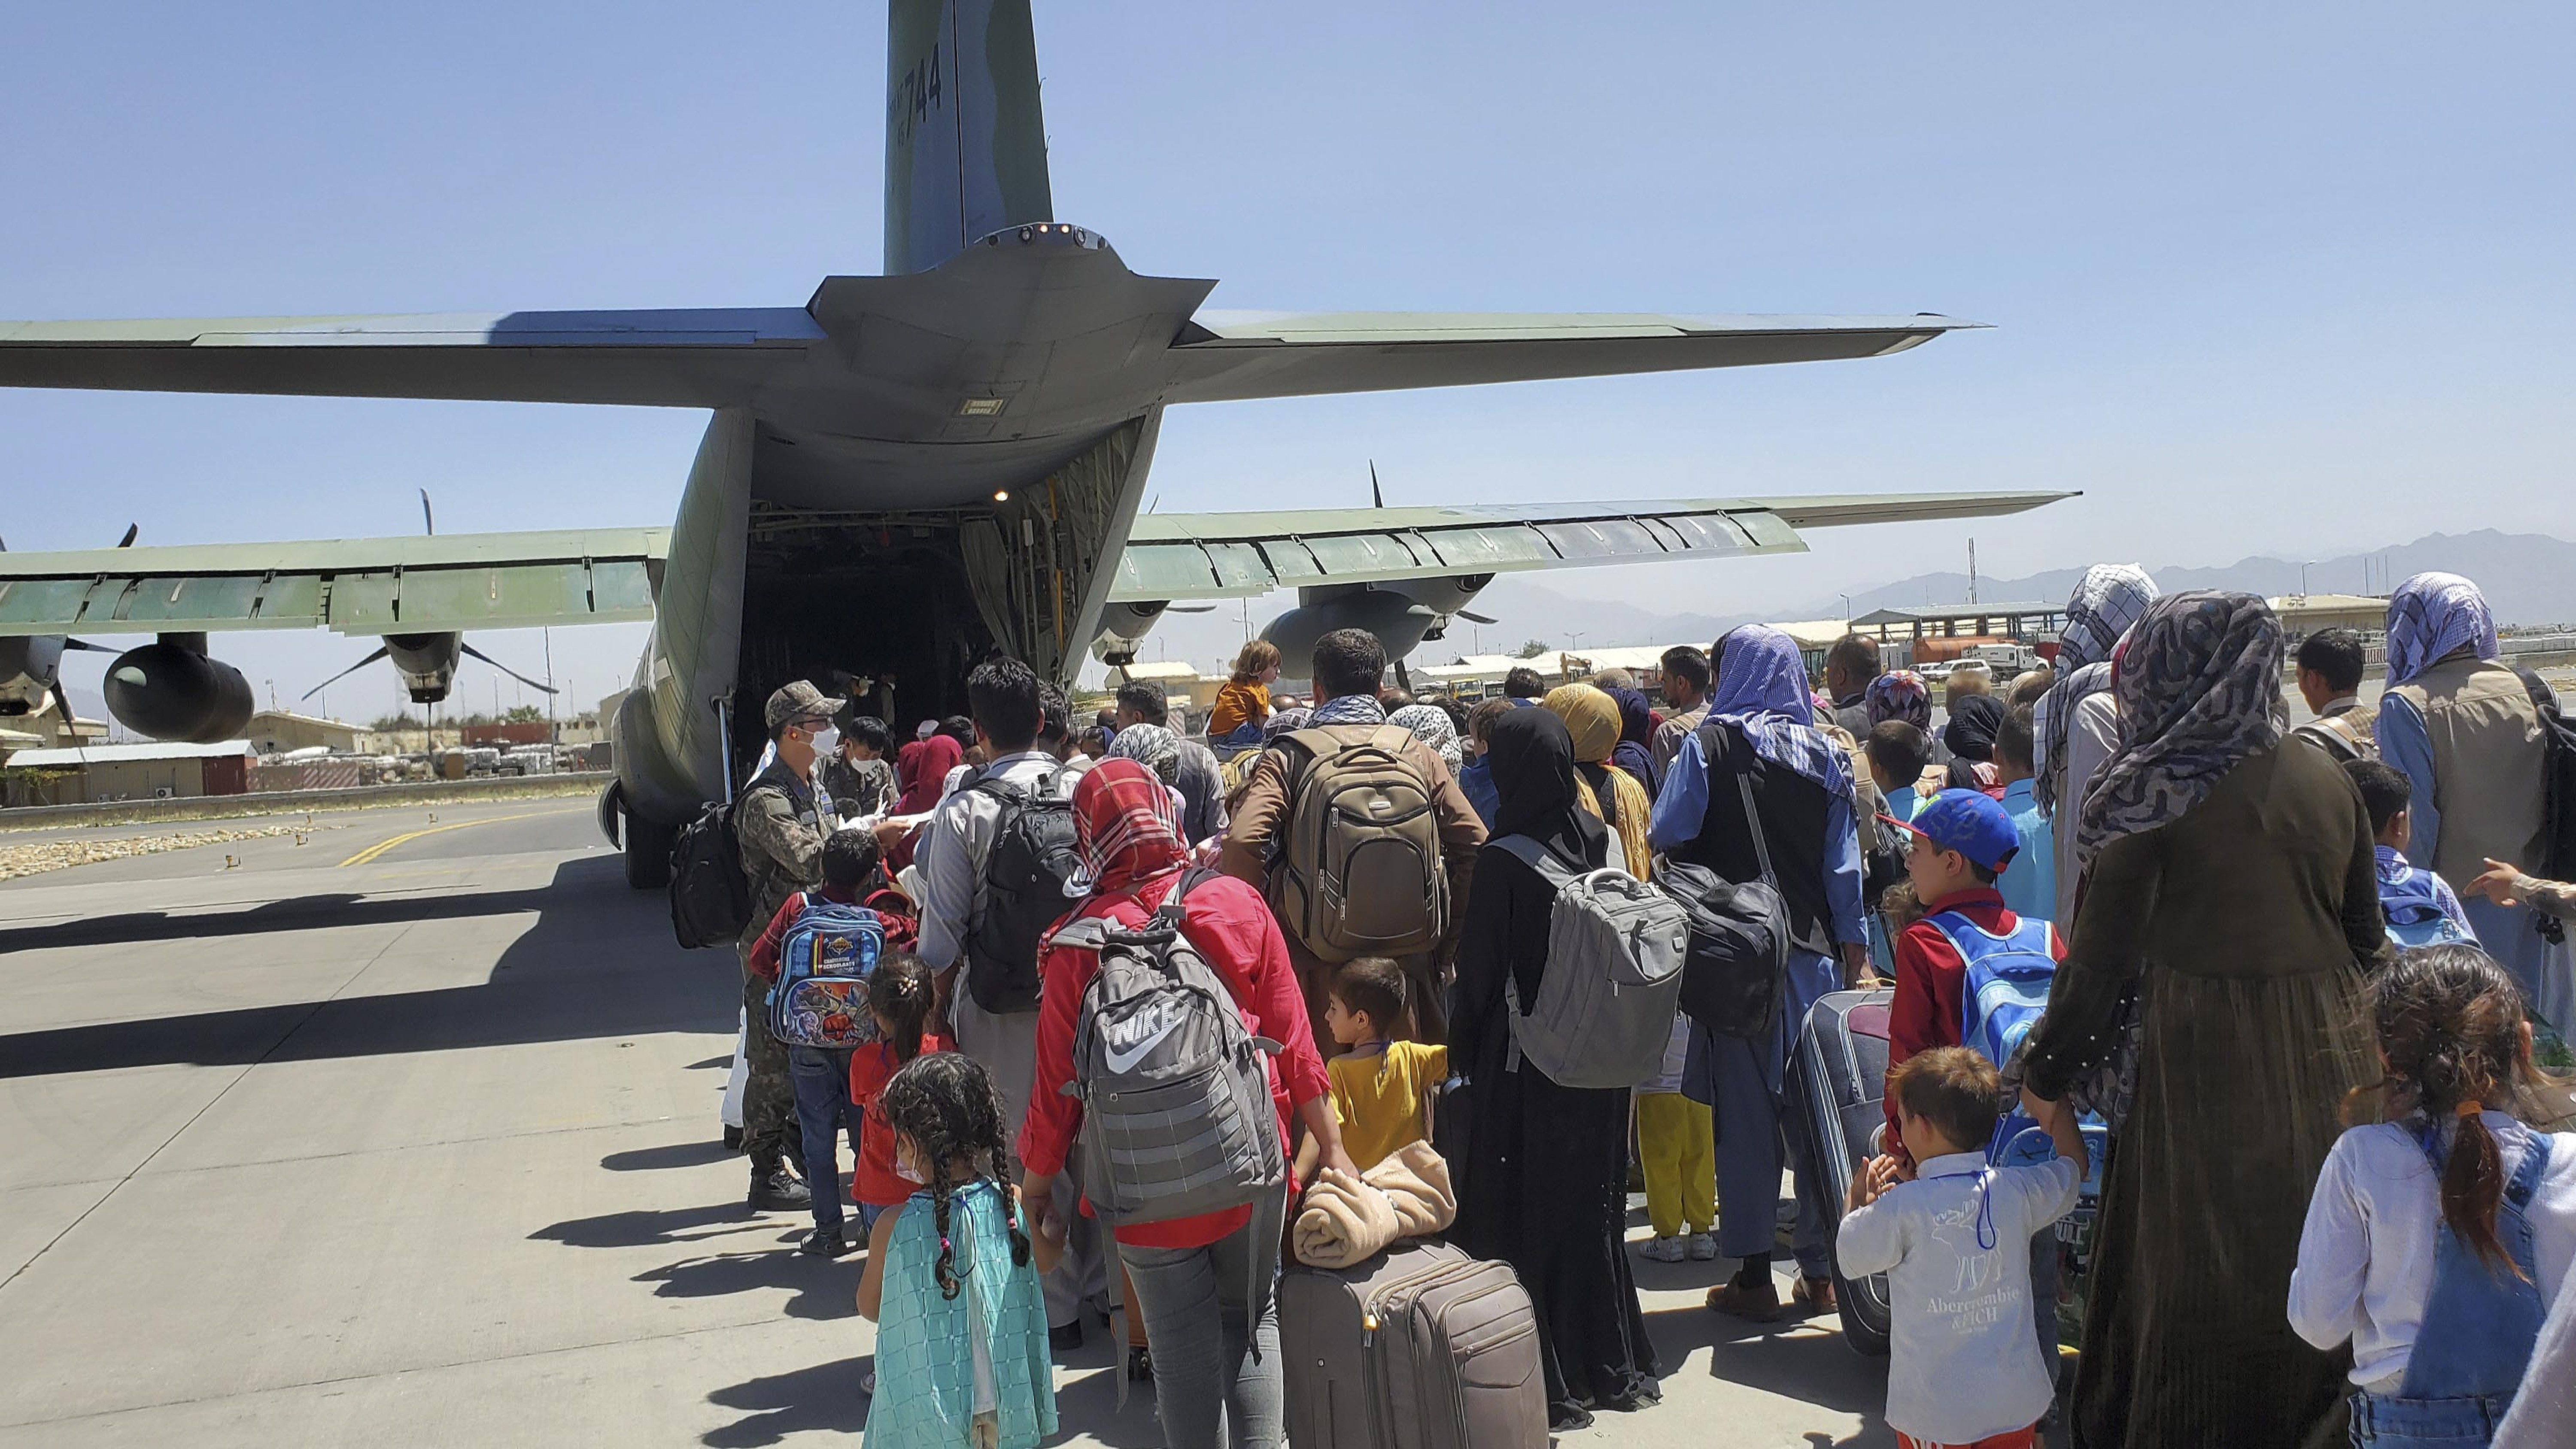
(952, 1279)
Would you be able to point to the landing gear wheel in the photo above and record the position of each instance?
(648, 851)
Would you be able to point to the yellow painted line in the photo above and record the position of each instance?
(380, 847)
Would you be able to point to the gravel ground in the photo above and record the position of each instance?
(25, 860)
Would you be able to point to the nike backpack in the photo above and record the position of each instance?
(1615, 948)
(821, 999)
(710, 897)
(1033, 856)
(1177, 1119)
(1359, 874)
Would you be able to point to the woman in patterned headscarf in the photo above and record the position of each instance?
(1432, 725)
(1899, 694)
(2230, 910)
(2465, 729)
(2076, 725)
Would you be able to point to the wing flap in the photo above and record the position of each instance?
(1241, 555)
(1232, 355)
(354, 586)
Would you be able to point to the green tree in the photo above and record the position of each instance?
(393, 722)
(1532, 649)
(525, 714)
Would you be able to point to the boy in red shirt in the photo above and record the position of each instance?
(1964, 841)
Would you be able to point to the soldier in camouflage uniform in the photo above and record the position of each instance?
(781, 827)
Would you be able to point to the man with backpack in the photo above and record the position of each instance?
(1199, 778)
(1357, 833)
(994, 863)
(780, 826)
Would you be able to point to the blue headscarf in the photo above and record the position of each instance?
(2431, 615)
(1761, 689)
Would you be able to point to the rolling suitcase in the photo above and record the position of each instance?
(1840, 1059)
(1420, 1347)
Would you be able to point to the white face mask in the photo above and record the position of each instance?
(904, 1168)
(827, 742)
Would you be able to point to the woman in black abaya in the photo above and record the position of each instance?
(1545, 1182)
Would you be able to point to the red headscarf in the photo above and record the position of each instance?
(939, 755)
(1126, 826)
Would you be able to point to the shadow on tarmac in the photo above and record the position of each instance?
(675, 1154)
(823, 1398)
(593, 965)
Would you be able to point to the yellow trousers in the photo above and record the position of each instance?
(1677, 1145)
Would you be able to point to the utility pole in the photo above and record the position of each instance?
(2304, 566)
(1972, 571)
(1846, 598)
(548, 636)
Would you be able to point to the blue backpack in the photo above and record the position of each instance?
(2003, 991)
(2412, 909)
(821, 999)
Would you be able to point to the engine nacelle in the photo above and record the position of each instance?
(1401, 614)
(29, 666)
(426, 662)
(172, 691)
(1123, 628)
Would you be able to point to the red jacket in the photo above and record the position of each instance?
(1929, 984)
(874, 1182)
(1232, 926)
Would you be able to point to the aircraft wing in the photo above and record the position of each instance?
(424, 584)
(1227, 355)
(1240, 555)
(709, 357)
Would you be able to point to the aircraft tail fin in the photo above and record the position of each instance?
(965, 141)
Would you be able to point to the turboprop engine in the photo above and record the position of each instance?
(170, 690)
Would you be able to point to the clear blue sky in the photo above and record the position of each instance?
(2288, 278)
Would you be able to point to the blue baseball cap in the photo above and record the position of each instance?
(1970, 822)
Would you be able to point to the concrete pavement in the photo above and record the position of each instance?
(420, 1150)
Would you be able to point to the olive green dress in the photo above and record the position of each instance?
(2245, 927)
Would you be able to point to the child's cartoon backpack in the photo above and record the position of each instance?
(2005, 986)
(821, 999)
(1176, 1113)
(2413, 911)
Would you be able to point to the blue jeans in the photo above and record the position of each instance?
(1209, 1388)
(1748, 1085)
(823, 1111)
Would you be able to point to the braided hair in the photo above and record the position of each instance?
(946, 1104)
(899, 995)
(2449, 1022)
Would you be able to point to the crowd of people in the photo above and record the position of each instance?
(2298, 979)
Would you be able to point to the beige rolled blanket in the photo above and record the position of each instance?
(1345, 1222)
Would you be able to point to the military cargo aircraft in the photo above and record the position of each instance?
(953, 453)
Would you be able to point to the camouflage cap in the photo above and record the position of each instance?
(793, 701)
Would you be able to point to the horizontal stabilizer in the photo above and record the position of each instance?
(1226, 355)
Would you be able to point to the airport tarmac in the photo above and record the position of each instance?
(407, 1135)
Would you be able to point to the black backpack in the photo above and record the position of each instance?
(710, 899)
(2558, 783)
(1025, 873)
(1739, 935)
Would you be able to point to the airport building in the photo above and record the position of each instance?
(96, 774)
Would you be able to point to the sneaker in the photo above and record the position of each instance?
(1702, 1247)
(773, 1190)
(1065, 1337)
(825, 1243)
(1664, 1250)
(868, 1383)
(733, 1139)
(1140, 1365)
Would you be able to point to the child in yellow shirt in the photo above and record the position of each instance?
(1378, 1085)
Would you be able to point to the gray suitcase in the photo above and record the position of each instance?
(1420, 1347)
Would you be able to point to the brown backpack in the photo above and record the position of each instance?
(1358, 873)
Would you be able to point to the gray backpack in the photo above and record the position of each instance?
(1615, 947)
(1176, 1112)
